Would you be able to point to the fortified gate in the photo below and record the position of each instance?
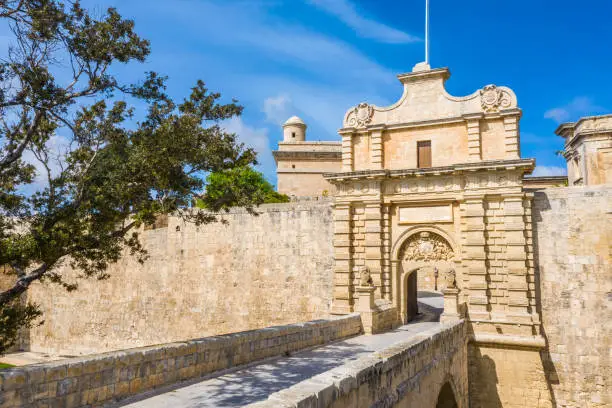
(431, 193)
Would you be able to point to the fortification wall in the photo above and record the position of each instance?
(253, 272)
(573, 239)
(572, 234)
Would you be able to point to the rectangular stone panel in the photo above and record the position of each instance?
(421, 214)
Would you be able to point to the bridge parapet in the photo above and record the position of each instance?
(427, 371)
(100, 379)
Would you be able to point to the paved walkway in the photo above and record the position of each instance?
(257, 382)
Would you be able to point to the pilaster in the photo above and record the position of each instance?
(376, 149)
(386, 255)
(347, 151)
(516, 258)
(343, 264)
(474, 257)
(474, 139)
(374, 243)
(511, 140)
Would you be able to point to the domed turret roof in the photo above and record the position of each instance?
(294, 120)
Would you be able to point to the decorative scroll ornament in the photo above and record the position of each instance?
(361, 115)
(426, 247)
(493, 98)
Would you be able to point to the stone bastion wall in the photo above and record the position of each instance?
(277, 268)
(253, 272)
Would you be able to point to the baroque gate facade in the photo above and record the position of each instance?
(435, 181)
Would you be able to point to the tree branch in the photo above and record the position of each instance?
(22, 284)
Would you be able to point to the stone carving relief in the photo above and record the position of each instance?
(361, 115)
(427, 247)
(509, 179)
(423, 185)
(358, 188)
(450, 279)
(594, 124)
(365, 278)
(494, 98)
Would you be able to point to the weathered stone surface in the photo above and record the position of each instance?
(254, 272)
(407, 374)
(105, 378)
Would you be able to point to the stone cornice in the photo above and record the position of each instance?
(531, 342)
(312, 155)
(432, 123)
(526, 165)
(419, 75)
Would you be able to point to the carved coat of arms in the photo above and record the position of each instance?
(361, 115)
(494, 98)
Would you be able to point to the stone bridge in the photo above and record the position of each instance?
(324, 363)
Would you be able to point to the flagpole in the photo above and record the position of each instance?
(427, 31)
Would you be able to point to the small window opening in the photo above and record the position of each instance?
(293, 166)
(292, 134)
(424, 154)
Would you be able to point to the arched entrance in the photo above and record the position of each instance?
(422, 253)
(446, 398)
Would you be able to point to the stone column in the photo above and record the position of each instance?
(373, 243)
(343, 282)
(474, 139)
(376, 148)
(347, 150)
(511, 129)
(474, 257)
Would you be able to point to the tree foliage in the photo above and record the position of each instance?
(239, 187)
(114, 172)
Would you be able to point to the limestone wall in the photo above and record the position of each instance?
(102, 379)
(410, 374)
(251, 273)
(573, 231)
(572, 240)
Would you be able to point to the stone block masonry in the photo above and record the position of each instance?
(105, 378)
(572, 236)
(253, 272)
(409, 374)
(573, 239)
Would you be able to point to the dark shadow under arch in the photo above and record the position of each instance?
(446, 398)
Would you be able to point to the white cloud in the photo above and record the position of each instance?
(579, 106)
(346, 12)
(258, 139)
(277, 109)
(57, 147)
(546, 171)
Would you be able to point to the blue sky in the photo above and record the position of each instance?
(317, 58)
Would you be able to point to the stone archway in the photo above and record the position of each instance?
(420, 253)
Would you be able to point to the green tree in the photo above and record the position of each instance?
(115, 172)
(240, 186)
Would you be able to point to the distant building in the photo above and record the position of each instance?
(300, 164)
(588, 150)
